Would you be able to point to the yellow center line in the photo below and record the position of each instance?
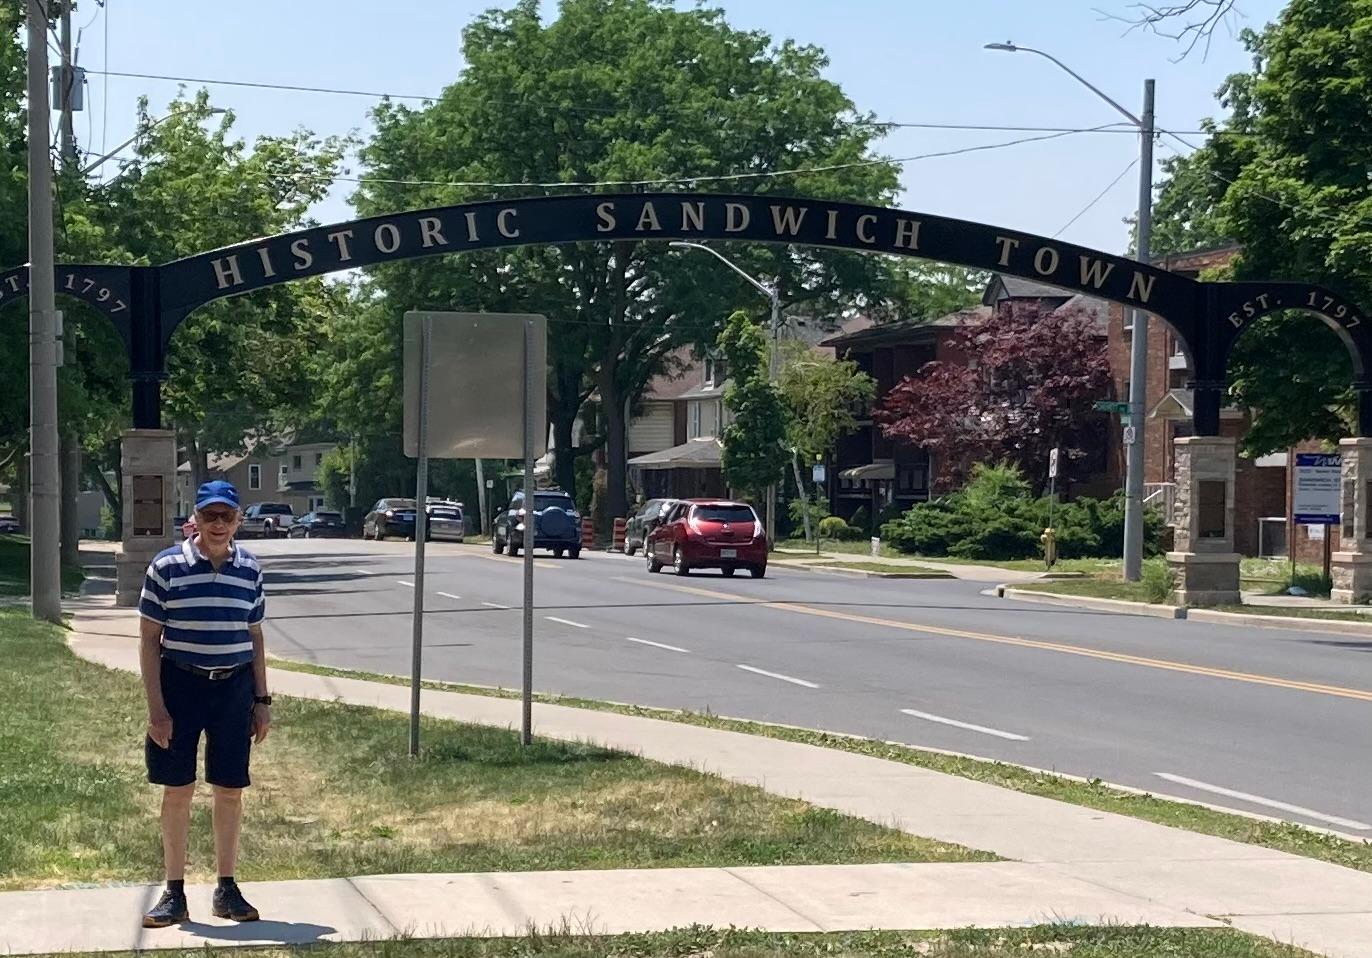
(1362, 695)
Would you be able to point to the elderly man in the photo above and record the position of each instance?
(204, 670)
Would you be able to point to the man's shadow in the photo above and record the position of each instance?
(278, 932)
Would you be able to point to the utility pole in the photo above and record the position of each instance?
(773, 364)
(46, 570)
(69, 447)
(1138, 357)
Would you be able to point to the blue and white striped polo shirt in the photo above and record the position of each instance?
(204, 614)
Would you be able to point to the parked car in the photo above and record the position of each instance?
(648, 518)
(266, 520)
(318, 524)
(445, 521)
(389, 517)
(557, 526)
(9, 524)
(709, 534)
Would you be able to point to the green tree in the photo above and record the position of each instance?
(241, 366)
(623, 91)
(1285, 177)
(754, 442)
(823, 397)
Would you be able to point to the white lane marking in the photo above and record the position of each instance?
(575, 625)
(778, 675)
(1268, 802)
(657, 645)
(362, 571)
(448, 595)
(495, 605)
(408, 585)
(928, 717)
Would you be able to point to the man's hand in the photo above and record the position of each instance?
(261, 722)
(160, 727)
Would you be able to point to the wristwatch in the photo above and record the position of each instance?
(262, 699)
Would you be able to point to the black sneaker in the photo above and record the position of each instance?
(170, 910)
(230, 903)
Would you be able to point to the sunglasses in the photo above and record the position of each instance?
(210, 517)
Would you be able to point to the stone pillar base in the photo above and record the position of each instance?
(1352, 575)
(1205, 578)
(130, 568)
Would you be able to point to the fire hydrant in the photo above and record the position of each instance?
(1049, 540)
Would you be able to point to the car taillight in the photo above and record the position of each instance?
(757, 529)
(696, 528)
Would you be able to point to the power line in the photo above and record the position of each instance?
(1118, 127)
(665, 180)
(1100, 196)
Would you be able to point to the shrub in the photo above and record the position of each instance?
(1158, 580)
(832, 527)
(819, 511)
(995, 516)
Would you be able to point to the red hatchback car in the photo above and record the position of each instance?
(709, 534)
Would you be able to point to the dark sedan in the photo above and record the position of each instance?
(389, 517)
(640, 526)
(318, 525)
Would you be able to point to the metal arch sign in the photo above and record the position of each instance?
(547, 220)
(147, 303)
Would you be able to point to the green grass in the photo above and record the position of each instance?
(857, 547)
(334, 794)
(15, 566)
(1095, 588)
(1072, 941)
(1282, 836)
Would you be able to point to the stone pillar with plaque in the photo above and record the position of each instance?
(148, 466)
(1351, 566)
(1203, 557)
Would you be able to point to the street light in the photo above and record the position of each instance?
(142, 131)
(1138, 346)
(773, 294)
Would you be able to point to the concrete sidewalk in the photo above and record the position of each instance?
(968, 571)
(1059, 850)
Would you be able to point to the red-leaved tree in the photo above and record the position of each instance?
(1027, 385)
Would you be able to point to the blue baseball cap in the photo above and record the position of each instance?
(214, 491)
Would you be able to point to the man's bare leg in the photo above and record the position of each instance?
(176, 827)
(228, 815)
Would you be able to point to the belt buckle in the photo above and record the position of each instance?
(219, 674)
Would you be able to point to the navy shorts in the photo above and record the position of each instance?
(222, 710)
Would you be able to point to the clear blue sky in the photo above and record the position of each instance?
(909, 60)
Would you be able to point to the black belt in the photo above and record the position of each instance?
(216, 674)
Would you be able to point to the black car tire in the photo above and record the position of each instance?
(653, 564)
(758, 571)
(512, 547)
(575, 552)
(496, 545)
(380, 532)
(727, 571)
(558, 552)
(679, 565)
(629, 547)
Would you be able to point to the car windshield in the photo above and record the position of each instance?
(274, 509)
(332, 516)
(549, 500)
(724, 513)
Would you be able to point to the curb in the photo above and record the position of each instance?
(1289, 623)
(1086, 602)
(864, 574)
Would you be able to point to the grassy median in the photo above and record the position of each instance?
(1071, 941)
(335, 794)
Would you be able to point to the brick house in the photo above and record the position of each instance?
(871, 471)
(280, 471)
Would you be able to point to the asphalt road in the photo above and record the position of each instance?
(1269, 721)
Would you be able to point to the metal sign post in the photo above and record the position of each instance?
(474, 413)
(530, 519)
(421, 515)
